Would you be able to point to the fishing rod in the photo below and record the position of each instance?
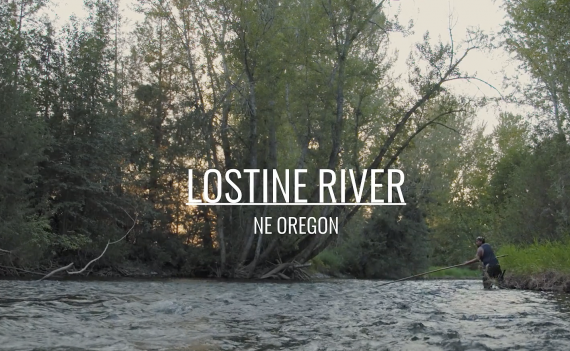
(435, 270)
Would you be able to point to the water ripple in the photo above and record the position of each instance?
(328, 315)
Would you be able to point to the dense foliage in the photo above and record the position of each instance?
(98, 127)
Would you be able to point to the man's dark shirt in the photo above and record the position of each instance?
(488, 257)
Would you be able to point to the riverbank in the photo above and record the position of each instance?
(137, 270)
(547, 281)
(543, 266)
(125, 270)
(519, 276)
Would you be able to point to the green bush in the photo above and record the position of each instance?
(329, 261)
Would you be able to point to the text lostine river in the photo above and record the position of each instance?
(325, 315)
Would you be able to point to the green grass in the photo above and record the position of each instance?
(536, 258)
(455, 273)
(524, 260)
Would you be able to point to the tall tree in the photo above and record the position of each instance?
(22, 131)
(536, 31)
(263, 71)
(83, 174)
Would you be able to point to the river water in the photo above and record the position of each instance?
(327, 315)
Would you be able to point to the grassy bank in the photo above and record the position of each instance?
(330, 263)
(454, 273)
(537, 258)
(540, 266)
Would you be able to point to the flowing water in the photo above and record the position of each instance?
(326, 315)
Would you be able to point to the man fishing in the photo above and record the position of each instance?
(491, 268)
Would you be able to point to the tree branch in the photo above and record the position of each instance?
(95, 259)
(446, 126)
(397, 154)
(468, 78)
(54, 272)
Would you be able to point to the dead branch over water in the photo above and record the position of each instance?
(93, 260)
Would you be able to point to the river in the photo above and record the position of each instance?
(326, 315)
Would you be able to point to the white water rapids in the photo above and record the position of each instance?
(326, 315)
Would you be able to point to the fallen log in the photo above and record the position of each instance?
(276, 270)
(301, 266)
(295, 269)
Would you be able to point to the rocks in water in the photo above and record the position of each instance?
(415, 327)
(451, 334)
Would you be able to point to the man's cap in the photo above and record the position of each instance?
(480, 238)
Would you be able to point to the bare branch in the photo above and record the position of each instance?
(54, 272)
(95, 259)
(132, 219)
(468, 78)
(124, 236)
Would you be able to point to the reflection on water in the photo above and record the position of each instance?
(329, 315)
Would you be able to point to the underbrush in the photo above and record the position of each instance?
(328, 262)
